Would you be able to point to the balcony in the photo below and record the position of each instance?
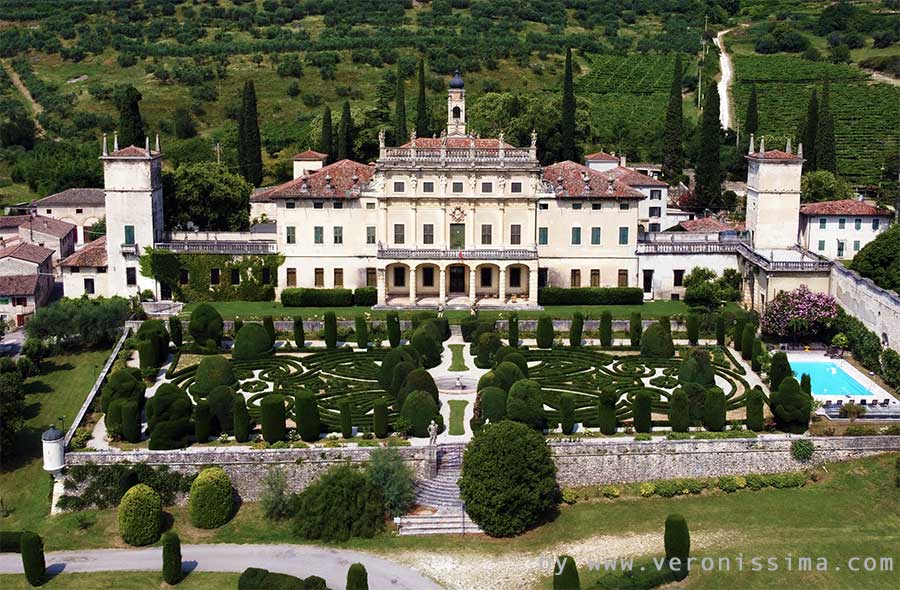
(450, 156)
(793, 260)
(130, 249)
(219, 247)
(456, 254)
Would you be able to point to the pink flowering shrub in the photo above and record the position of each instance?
(798, 314)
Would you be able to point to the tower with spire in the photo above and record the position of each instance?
(773, 195)
(456, 107)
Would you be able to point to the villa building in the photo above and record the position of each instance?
(840, 229)
(82, 207)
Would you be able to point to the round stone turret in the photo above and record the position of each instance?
(53, 441)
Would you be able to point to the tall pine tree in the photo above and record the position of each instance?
(673, 134)
(708, 190)
(346, 134)
(568, 149)
(249, 148)
(751, 119)
(826, 159)
(400, 111)
(421, 104)
(807, 132)
(131, 124)
(326, 141)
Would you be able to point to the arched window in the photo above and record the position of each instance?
(456, 113)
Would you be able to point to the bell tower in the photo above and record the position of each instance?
(456, 106)
(773, 196)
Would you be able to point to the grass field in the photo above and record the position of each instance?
(457, 416)
(125, 581)
(457, 363)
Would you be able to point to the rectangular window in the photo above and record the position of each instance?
(266, 275)
(487, 276)
(235, 276)
(399, 276)
(214, 276)
(338, 234)
(876, 223)
(131, 276)
(595, 277)
(576, 206)
(337, 205)
(428, 276)
(840, 252)
(49, 211)
(576, 236)
(655, 211)
(623, 277)
(515, 234)
(319, 274)
(857, 224)
(856, 245)
(399, 187)
(543, 206)
(654, 227)
(319, 234)
(655, 194)
(821, 245)
(318, 204)
(486, 234)
(515, 187)
(575, 278)
(623, 235)
(457, 187)
(370, 205)
(74, 269)
(428, 187)
(129, 234)
(101, 269)
(370, 234)
(183, 277)
(291, 277)
(371, 277)
(823, 222)
(89, 286)
(338, 277)
(842, 223)
(515, 277)
(291, 234)
(487, 187)
(678, 277)
(624, 206)
(428, 233)
(290, 205)
(596, 206)
(399, 233)
(595, 235)
(542, 236)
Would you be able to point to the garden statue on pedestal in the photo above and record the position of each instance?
(432, 433)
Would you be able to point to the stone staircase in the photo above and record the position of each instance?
(439, 523)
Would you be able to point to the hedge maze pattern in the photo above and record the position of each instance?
(332, 376)
(586, 373)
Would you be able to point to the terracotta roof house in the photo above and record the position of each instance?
(47, 232)
(572, 180)
(840, 229)
(342, 180)
(85, 271)
(82, 207)
(26, 280)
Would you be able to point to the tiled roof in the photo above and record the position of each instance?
(7, 221)
(774, 155)
(344, 179)
(133, 151)
(843, 207)
(18, 284)
(310, 155)
(93, 254)
(259, 194)
(27, 252)
(601, 157)
(568, 179)
(456, 142)
(705, 225)
(48, 226)
(92, 197)
(635, 178)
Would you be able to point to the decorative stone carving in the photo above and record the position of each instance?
(458, 215)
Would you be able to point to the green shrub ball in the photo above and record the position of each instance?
(211, 500)
(212, 372)
(252, 342)
(140, 515)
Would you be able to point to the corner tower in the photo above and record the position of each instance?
(132, 180)
(773, 196)
(456, 106)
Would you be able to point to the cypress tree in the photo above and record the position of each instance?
(806, 383)
(606, 412)
(249, 145)
(176, 330)
(202, 421)
(673, 132)
(357, 577)
(31, 546)
(576, 329)
(299, 333)
(693, 329)
(721, 327)
(641, 409)
(326, 141)
(635, 327)
(807, 134)
(330, 330)
(679, 411)
(131, 124)
(754, 409)
(380, 418)
(272, 414)
(421, 104)
(677, 541)
(567, 412)
(241, 419)
(779, 370)
(566, 578)
(400, 112)
(747, 341)
(393, 328)
(346, 418)
(568, 150)
(606, 331)
(825, 154)
(171, 567)
(346, 134)
(708, 190)
(513, 329)
(751, 119)
(362, 332)
(306, 415)
(714, 410)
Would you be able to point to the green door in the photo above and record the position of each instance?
(457, 236)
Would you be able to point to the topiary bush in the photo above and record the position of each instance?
(131, 421)
(677, 541)
(401, 372)
(640, 408)
(211, 500)
(251, 343)
(123, 384)
(236, 326)
(507, 373)
(395, 356)
(566, 577)
(754, 408)
(330, 330)
(269, 325)
(737, 334)
(171, 558)
(426, 339)
(380, 418)
(420, 380)
(393, 328)
(140, 516)
(656, 342)
(576, 329)
(242, 424)
(806, 383)
(206, 324)
(152, 341)
(419, 409)
(212, 372)
(221, 409)
(721, 328)
(168, 418)
(487, 345)
(513, 329)
(545, 332)
(679, 412)
(517, 359)
(606, 412)
(606, 331)
(362, 331)
(299, 332)
(567, 412)
(693, 329)
(176, 331)
(525, 403)
(346, 412)
(493, 404)
(508, 479)
(272, 416)
(714, 410)
(747, 341)
(343, 503)
(202, 421)
(31, 546)
(635, 327)
(306, 414)
(357, 578)
(779, 370)
(791, 407)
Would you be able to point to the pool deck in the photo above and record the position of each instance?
(876, 391)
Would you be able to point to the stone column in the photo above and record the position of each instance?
(472, 286)
(383, 223)
(412, 286)
(533, 285)
(381, 285)
(414, 234)
(502, 285)
(442, 286)
(501, 237)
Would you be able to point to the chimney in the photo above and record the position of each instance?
(800, 149)
(752, 143)
(116, 141)
(787, 147)
(623, 161)
(105, 151)
(762, 146)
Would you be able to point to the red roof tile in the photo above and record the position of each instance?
(705, 225)
(310, 155)
(18, 284)
(93, 254)
(774, 155)
(843, 207)
(635, 178)
(456, 142)
(601, 157)
(344, 179)
(92, 197)
(27, 252)
(48, 226)
(133, 152)
(7, 221)
(568, 180)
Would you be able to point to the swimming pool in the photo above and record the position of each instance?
(829, 379)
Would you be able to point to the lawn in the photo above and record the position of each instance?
(125, 581)
(59, 391)
(457, 416)
(457, 363)
(258, 309)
